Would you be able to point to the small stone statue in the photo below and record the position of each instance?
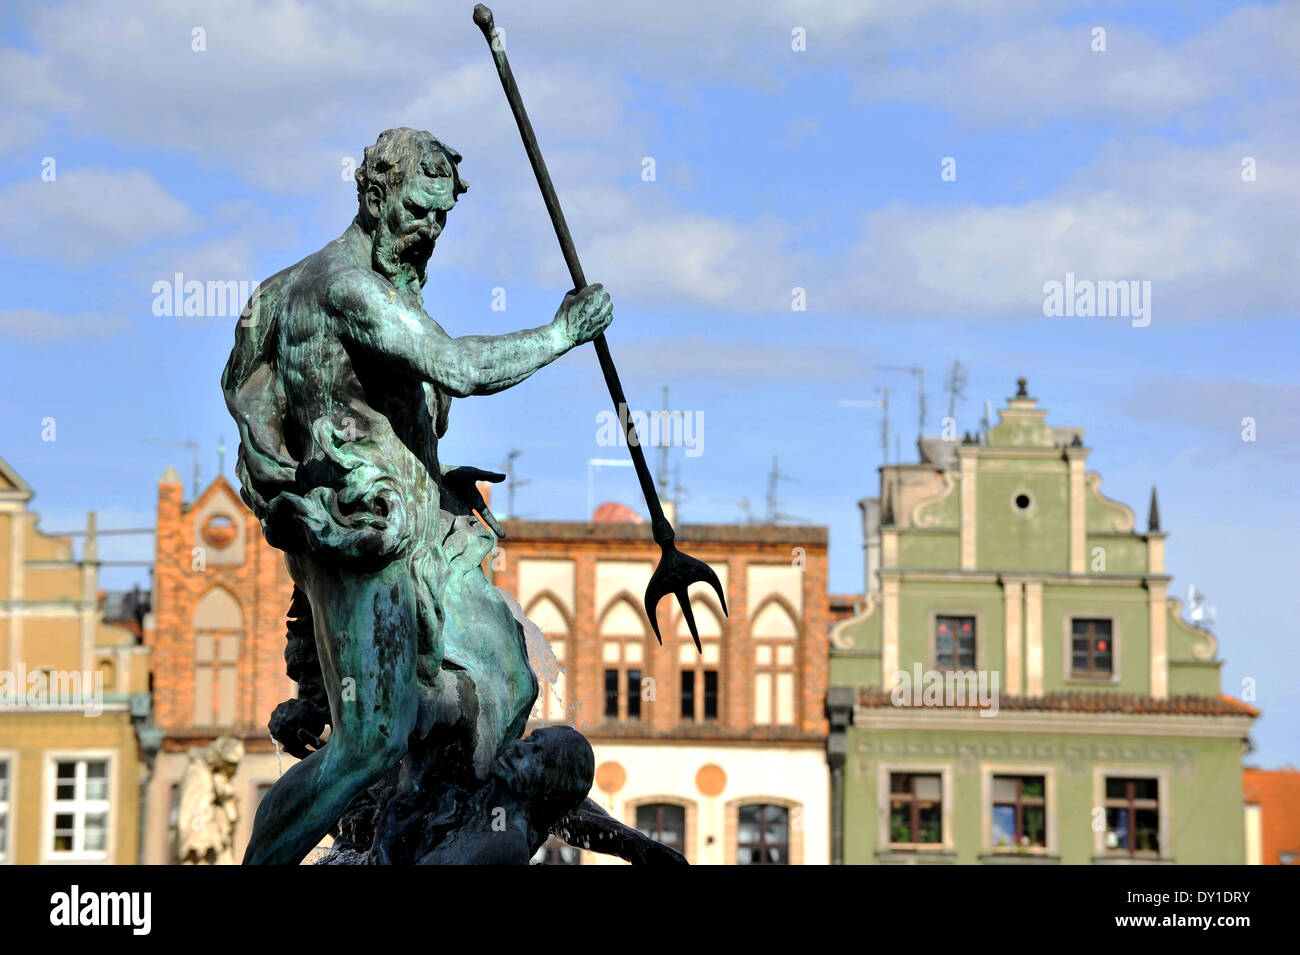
(208, 807)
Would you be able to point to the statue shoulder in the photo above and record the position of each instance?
(352, 290)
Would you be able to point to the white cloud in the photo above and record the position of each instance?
(38, 325)
(87, 215)
(1026, 72)
(1211, 244)
(289, 89)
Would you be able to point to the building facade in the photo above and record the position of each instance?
(686, 743)
(1018, 686)
(718, 752)
(217, 635)
(74, 700)
(1272, 816)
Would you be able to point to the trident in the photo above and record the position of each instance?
(676, 571)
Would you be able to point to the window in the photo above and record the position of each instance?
(703, 705)
(763, 835)
(699, 668)
(1092, 650)
(552, 702)
(79, 809)
(663, 822)
(775, 634)
(915, 809)
(556, 852)
(1019, 812)
(623, 649)
(954, 643)
(4, 810)
(632, 697)
(218, 626)
(1132, 816)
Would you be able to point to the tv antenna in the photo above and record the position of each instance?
(883, 405)
(678, 491)
(955, 384)
(662, 479)
(917, 372)
(512, 482)
(774, 478)
(1198, 611)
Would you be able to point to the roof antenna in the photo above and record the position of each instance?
(917, 372)
(883, 405)
(955, 384)
(774, 478)
(512, 482)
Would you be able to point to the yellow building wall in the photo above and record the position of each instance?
(5, 558)
(53, 642)
(31, 739)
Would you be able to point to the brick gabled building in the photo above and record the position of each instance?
(743, 774)
(217, 639)
(721, 752)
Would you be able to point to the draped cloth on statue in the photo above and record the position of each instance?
(334, 480)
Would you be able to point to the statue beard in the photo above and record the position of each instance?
(403, 259)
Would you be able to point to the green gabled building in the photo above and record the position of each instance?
(1018, 687)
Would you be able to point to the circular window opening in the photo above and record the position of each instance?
(1023, 501)
(219, 530)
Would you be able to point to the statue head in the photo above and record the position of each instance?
(223, 754)
(551, 770)
(406, 184)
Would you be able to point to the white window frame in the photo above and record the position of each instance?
(1048, 772)
(9, 758)
(1164, 797)
(1093, 612)
(80, 807)
(947, 812)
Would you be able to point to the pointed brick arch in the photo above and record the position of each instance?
(771, 604)
(546, 597)
(219, 632)
(776, 663)
(700, 687)
(553, 703)
(626, 658)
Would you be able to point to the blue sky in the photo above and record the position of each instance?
(775, 168)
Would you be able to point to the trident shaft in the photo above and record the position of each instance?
(676, 571)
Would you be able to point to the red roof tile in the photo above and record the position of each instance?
(1094, 702)
(1277, 793)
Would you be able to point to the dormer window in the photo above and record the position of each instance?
(1092, 649)
(954, 643)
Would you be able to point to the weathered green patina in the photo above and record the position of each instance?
(341, 384)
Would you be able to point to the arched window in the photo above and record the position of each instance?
(775, 634)
(218, 630)
(700, 686)
(552, 701)
(762, 835)
(623, 643)
(663, 822)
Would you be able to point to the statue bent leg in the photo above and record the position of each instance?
(366, 634)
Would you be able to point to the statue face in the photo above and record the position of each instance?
(417, 210)
(552, 761)
(412, 216)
